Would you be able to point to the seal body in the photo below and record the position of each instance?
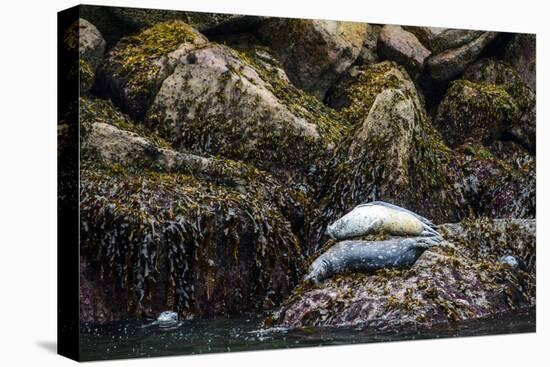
(367, 256)
(380, 217)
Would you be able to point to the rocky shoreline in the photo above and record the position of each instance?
(216, 150)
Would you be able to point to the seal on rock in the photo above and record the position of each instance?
(381, 217)
(367, 256)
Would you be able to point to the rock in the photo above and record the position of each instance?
(402, 47)
(392, 153)
(135, 68)
(169, 230)
(214, 100)
(145, 18)
(440, 39)
(515, 195)
(459, 280)
(84, 38)
(451, 62)
(475, 112)
(314, 53)
(521, 54)
(107, 23)
(91, 43)
(220, 102)
(495, 73)
(369, 54)
(497, 185)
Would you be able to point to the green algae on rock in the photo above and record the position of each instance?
(135, 68)
(473, 112)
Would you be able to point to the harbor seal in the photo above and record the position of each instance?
(367, 256)
(381, 217)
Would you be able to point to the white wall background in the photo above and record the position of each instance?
(28, 181)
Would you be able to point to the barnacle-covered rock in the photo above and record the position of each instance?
(497, 181)
(314, 52)
(458, 280)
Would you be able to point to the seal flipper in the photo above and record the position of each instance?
(426, 242)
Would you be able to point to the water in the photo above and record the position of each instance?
(131, 339)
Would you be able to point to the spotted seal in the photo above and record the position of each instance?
(381, 217)
(367, 256)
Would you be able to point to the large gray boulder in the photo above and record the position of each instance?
(396, 44)
(459, 280)
(314, 53)
(452, 50)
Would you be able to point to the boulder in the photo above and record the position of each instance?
(497, 181)
(91, 44)
(84, 38)
(459, 280)
(490, 102)
(495, 73)
(475, 112)
(438, 39)
(218, 101)
(451, 62)
(403, 47)
(314, 53)
(369, 54)
(521, 54)
(135, 68)
(144, 18)
(392, 152)
(163, 229)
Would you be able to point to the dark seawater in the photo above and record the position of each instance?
(135, 339)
